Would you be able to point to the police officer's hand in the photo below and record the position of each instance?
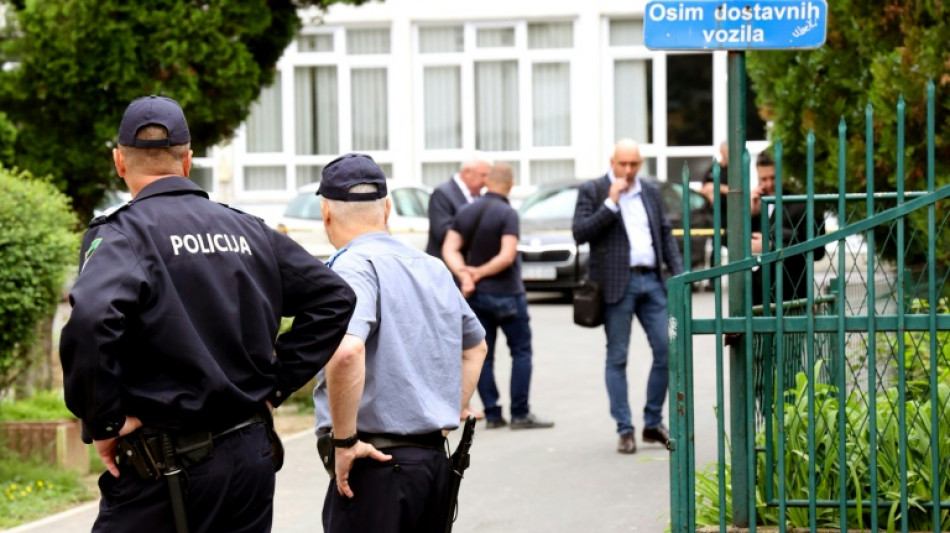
(106, 448)
(344, 463)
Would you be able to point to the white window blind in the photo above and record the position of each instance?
(551, 100)
(264, 122)
(442, 39)
(316, 108)
(496, 106)
(632, 109)
(370, 107)
(443, 107)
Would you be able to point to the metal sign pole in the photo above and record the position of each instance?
(738, 243)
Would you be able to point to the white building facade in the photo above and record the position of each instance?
(421, 85)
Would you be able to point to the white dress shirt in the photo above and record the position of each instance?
(636, 222)
(468, 194)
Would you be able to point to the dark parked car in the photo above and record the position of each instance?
(552, 261)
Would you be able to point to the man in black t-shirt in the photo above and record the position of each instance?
(486, 232)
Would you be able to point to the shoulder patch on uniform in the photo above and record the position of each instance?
(109, 213)
(92, 248)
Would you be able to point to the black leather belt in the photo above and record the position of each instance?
(432, 441)
(642, 270)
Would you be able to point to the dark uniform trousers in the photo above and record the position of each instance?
(230, 492)
(409, 493)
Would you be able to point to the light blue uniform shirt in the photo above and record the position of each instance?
(415, 324)
(636, 222)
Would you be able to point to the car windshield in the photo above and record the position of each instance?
(304, 205)
(553, 204)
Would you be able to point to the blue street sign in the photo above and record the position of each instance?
(734, 24)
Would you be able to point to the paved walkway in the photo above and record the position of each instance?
(560, 480)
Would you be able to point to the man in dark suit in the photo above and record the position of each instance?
(630, 240)
(449, 197)
(794, 231)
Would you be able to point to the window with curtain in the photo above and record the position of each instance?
(368, 41)
(689, 104)
(434, 174)
(496, 106)
(626, 32)
(308, 174)
(495, 37)
(370, 108)
(551, 171)
(265, 178)
(321, 42)
(550, 35)
(263, 125)
(316, 108)
(441, 39)
(551, 100)
(442, 98)
(633, 99)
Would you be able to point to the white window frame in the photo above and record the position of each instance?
(287, 156)
(465, 61)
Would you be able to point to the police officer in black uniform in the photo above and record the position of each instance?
(169, 356)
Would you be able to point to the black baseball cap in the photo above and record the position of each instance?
(348, 170)
(154, 110)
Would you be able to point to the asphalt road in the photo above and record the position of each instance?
(565, 479)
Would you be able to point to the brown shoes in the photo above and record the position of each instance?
(627, 444)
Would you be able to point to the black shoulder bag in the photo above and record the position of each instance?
(589, 296)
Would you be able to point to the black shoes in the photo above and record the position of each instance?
(495, 423)
(659, 434)
(530, 421)
(627, 444)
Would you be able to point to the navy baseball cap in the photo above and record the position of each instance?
(154, 110)
(348, 170)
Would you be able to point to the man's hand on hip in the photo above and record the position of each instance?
(344, 463)
(106, 448)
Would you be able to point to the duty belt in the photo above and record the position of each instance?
(381, 441)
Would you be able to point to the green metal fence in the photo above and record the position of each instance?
(839, 402)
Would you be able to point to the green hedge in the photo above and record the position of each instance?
(38, 243)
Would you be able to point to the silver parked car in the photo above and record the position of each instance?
(550, 258)
(408, 220)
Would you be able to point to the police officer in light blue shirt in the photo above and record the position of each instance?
(409, 361)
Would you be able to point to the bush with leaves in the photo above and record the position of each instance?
(38, 244)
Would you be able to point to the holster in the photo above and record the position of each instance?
(327, 453)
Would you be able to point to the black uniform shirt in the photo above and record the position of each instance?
(488, 219)
(176, 311)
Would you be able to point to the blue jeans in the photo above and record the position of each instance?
(510, 312)
(645, 297)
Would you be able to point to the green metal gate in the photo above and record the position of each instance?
(839, 411)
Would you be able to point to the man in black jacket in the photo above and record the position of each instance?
(631, 240)
(794, 231)
(170, 346)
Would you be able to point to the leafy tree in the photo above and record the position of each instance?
(874, 53)
(77, 64)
